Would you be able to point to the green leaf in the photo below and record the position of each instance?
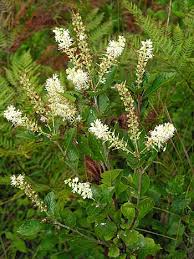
(132, 238)
(103, 102)
(120, 187)
(106, 193)
(108, 177)
(69, 217)
(149, 248)
(30, 228)
(50, 202)
(20, 245)
(145, 182)
(68, 139)
(176, 185)
(113, 251)
(145, 206)
(105, 230)
(159, 81)
(70, 97)
(128, 210)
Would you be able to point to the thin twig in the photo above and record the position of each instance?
(154, 233)
(169, 13)
(78, 232)
(167, 211)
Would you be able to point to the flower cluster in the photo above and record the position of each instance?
(160, 135)
(66, 44)
(53, 85)
(115, 48)
(83, 189)
(101, 131)
(132, 120)
(58, 104)
(20, 182)
(78, 77)
(15, 117)
(63, 38)
(113, 51)
(145, 53)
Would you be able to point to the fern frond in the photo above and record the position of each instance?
(151, 28)
(21, 64)
(94, 20)
(6, 93)
(178, 36)
(189, 21)
(101, 31)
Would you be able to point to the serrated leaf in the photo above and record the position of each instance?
(68, 217)
(50, 202)
(149, 248)
(145, 182)
(105, 230)
(30, 228)
(159, 81)
(145, 206)
(103, 102)
(128, 210)
(132, 238)
(68, 139)
(108, 177)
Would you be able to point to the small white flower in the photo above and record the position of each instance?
(20, 182)
(115, 48)
(17, 181)
(63, 110)
(43, 118)
(78, 77)
(83, 189)
(13, 115)
(75, 180)
(147, 49)
(160, 135)
(144, 54)
(82, 36)
(63, 38)
(13, 180)
(58, 104)
(100, 130)
(53, 85)
(20, 179)
(78, 118)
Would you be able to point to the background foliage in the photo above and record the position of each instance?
(26, 44)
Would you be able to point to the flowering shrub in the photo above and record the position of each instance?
(112, 203)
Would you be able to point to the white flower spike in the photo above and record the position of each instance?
(78, 77)
(83, 189)
(63, 38)
(160, 135)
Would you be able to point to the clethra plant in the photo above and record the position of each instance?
(108, 203)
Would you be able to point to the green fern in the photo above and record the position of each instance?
(21, 64)
(151, 28)
(94, 20)
(173, 47)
